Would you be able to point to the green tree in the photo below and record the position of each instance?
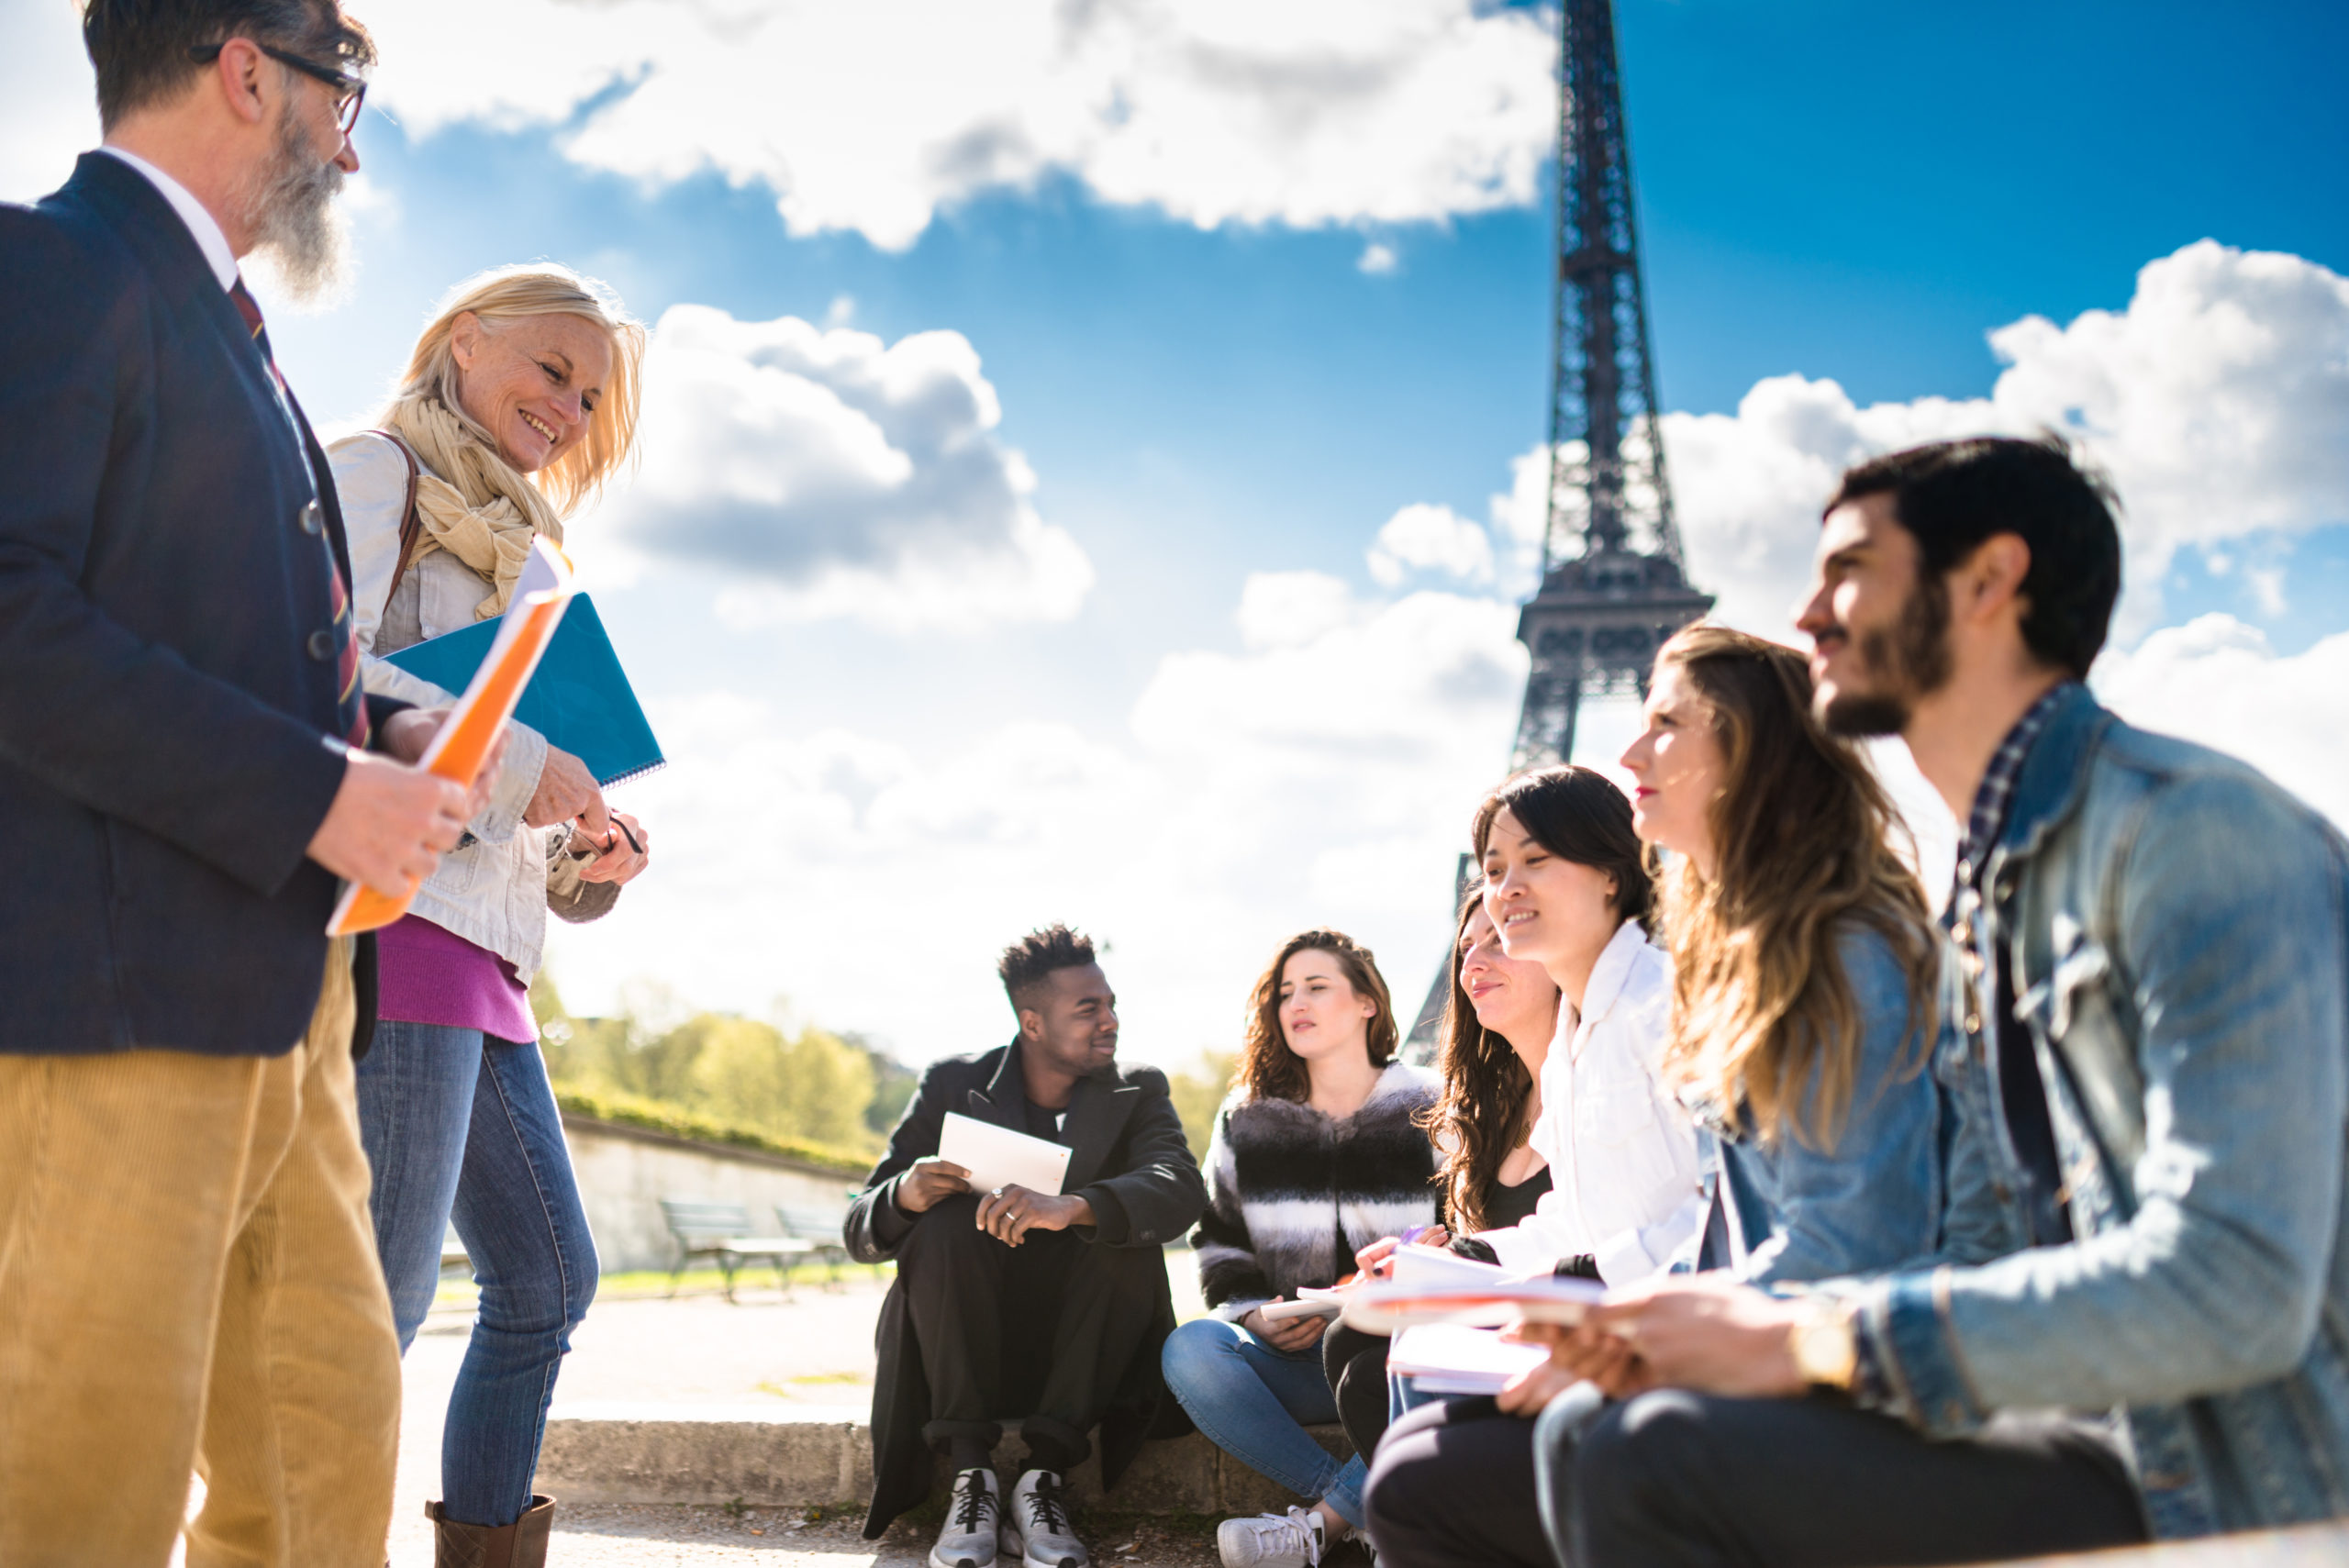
(1197, 1095)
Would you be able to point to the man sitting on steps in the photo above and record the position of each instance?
(1013, 1302)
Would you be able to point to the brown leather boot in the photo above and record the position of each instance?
(522, 1544)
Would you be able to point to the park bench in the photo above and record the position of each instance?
(821, 1231)
(721, 1230)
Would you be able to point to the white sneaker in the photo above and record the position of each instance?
(1036, 1528)
(1271, 1541)
(967, 1539)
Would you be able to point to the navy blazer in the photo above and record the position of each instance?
(167, 704)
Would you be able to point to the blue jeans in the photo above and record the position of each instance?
(1254, 1403)
(462, 1127)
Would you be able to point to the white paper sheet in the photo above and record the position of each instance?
(1446, 1358)
(1312, 1301)
(996, 1156)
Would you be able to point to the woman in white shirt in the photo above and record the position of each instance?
(1565, 885)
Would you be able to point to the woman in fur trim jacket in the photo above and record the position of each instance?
(1319, 1151)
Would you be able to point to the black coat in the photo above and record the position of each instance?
(166, 707)
(1128, 1159)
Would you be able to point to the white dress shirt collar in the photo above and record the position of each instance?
(200, 223)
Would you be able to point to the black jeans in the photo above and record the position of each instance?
(1673, 1479)
(1355, 1364)
(1043, 1330)
(1454, 1484)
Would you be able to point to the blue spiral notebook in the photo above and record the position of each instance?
(580, 698)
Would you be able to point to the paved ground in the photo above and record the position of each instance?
(816, 1348)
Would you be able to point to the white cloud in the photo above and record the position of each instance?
(1422, 538)
(831, 474)
(1322, 775)
(871, 117)
(2218, 400)
(1378, 260)
(1321, 770)
(2216, 681)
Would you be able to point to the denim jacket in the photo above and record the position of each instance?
(2176, 927)
(1900, 1185)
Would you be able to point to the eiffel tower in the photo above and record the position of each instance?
(1613, 586)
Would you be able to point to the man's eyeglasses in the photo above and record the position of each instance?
(349, 92)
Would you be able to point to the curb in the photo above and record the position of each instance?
(779, 1456)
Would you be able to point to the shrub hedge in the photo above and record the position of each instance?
(634, 1110)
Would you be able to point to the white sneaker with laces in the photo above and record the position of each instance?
(1036, 1528)
(967, 1539)
(1271, 1541)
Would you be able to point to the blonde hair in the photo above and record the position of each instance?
(505, 295)
(1764, 1016)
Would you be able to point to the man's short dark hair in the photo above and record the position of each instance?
(140, 47)
(1951, 495)
(1027, 962)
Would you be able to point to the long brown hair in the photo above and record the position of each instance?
(1801, 834)
(1479, 1117)
(1269, 1070)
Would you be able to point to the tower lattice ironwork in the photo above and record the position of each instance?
(1613, 585)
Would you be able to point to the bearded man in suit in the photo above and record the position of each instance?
(189, 772)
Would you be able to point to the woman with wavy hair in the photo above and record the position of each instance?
(519, 402)
(1805, 971)
(1317, 1152)
(1493, 1042)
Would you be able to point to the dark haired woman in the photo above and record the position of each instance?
(1566, 886)
(1317, 1152)
(1496, 1031)
(1805, 973)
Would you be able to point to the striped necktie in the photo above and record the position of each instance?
(351, 702)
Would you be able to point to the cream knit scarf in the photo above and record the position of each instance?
(469, 501)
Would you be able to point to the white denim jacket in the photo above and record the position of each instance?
(1625, 1179)
(493, 892)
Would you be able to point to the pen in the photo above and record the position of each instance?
(622, 825)
(1413, 1233)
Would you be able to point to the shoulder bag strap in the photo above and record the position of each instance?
(411, 525)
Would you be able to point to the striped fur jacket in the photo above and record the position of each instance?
(1283, 1180)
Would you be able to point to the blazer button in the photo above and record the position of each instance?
(321, 645)
(314, 518)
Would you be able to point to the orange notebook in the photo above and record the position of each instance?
(462, 743)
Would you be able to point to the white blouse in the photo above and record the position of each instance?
(1623, 1154)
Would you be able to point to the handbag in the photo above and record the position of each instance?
(411, 525)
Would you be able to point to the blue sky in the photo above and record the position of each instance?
(1233, 726)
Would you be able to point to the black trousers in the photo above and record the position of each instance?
(1044, 1330)
(1675, 1479)
(1355, 1364)
(1452, 1483)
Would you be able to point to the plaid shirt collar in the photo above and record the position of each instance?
(1998, 786)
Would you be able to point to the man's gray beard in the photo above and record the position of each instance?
(299, 231)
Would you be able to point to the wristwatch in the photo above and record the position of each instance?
(1826, 1349)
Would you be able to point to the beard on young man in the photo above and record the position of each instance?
(1901, 663)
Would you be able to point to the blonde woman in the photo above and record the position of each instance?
(519, 401)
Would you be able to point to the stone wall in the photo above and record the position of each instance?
(625, 1172)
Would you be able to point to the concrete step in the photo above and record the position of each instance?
(787, 1456)
(774, 1456)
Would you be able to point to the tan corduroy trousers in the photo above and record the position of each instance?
(188, 1283)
